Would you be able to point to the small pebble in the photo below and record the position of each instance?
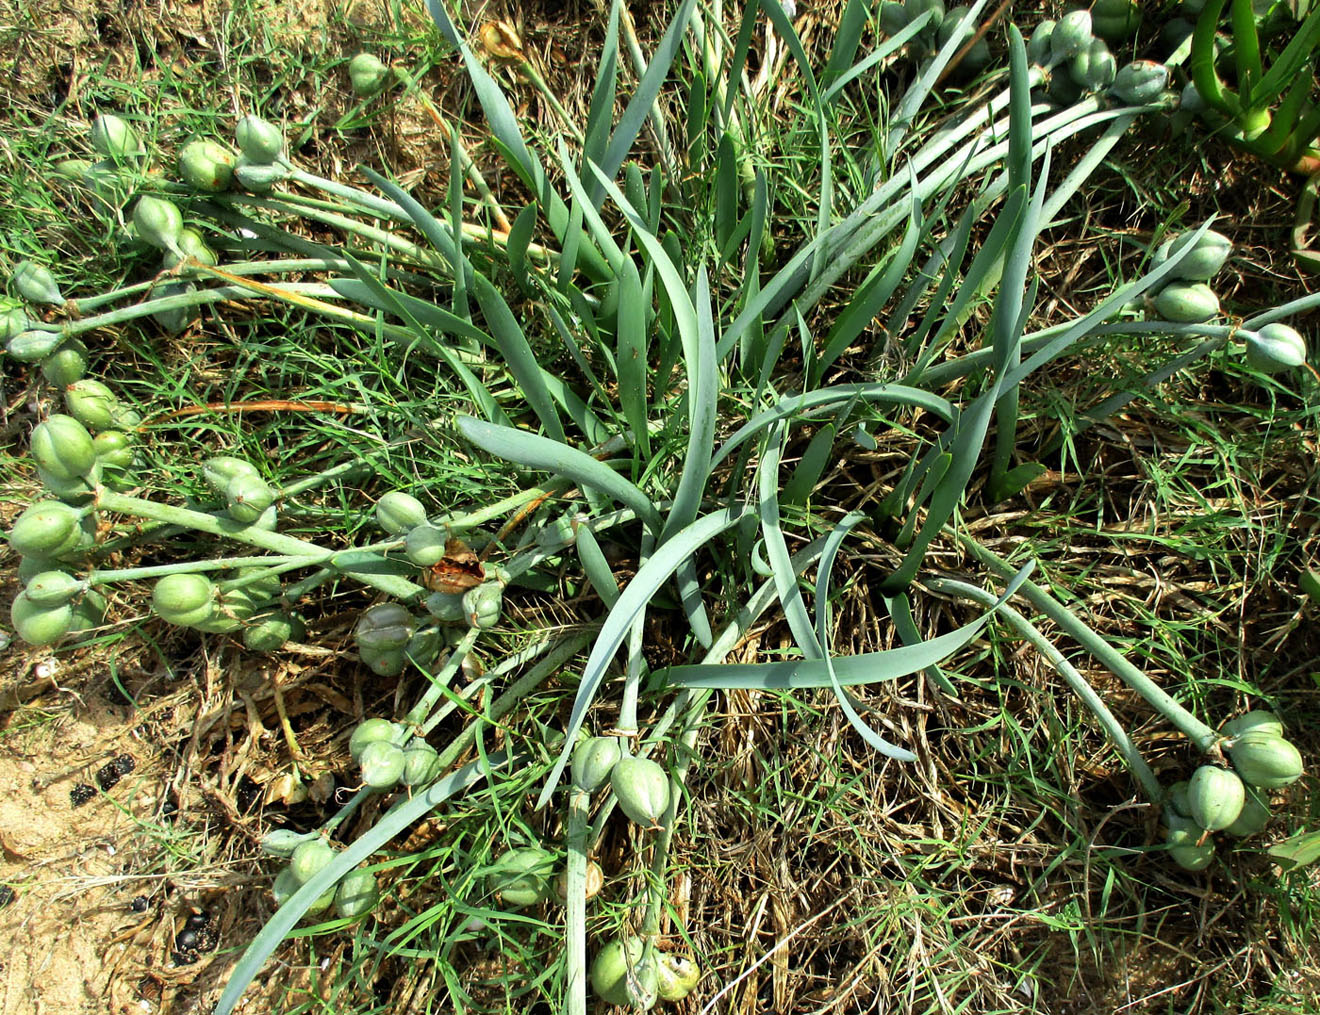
(139, 904)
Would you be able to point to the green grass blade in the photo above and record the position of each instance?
(891, 44)
(600, 114)
(633, 600)
(811, 466)
(537, 452)
(596, 567)
(847, 37)
(518, 355)
(738, 63)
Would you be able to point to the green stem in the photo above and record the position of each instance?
(1204, 75)
(1113, 729)
(393, 585)
(1198, 732)
(575, 919)
(1246, 52)
(195, 567)
(440, 680)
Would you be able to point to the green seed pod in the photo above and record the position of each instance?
(381, 764)
(53, 588)
(1094, 68)
(1140, 82)
(1255, 815)
(1265, 759)
(593, 761)
(384, 662)
(1115, 20)
(1040, 48)
(175, 320)
(446, 607)
(269, 631)
(71, 169)
(30, 567)
(207, 166)
(13, 319)
(283, 841)
(1216, 796)
(893, 17)
(371, 731)
(677, 976)
(425, 544)
(66, 364)
(260, 140)
(1178, 800)
(35, 344)
(88, 614)
(1192, 303)
(420, 764)
(521, 877)
(114, 449)
(48, 528)
(424, 646)
(309, 859)
(219, 471)
(248, 498)
(482, 605)
(642, 788)
(1190, 100)
(72, 491)
(158, 222)
(1193, 858)
(284, 886)
(367, 75)
(1256, 719)
(91, 403)
(952, 19)
(323, 902)
(1275, 348)
(559, 533)
(1181, 831)
(36, 284)
(1070, 35)
(916, 8)
(114, 139)
(39, 625)
(384, 627)
(258, 178)
(398, 512)
(184, 599)
(1201, 263)
(63, 447)
(356, 894)
(620, 974)
(191, 244)
(1062, 89)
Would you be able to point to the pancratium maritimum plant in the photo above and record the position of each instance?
(643, 388)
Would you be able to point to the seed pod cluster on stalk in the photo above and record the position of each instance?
(1232, 799)
(1075, 52)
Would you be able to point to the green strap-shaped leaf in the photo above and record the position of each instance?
(406, 811)
(639, 106)
(776, 548)
(864, 730)
(851, 671)
(537, 452)
(633, 600)
(518, 355)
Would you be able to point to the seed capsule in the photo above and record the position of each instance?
(1215, 796)
(63, 447)
(36, 284)
(642, 788)
(207, 166)
(113, 138)
(258, 139)
(367, 75)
